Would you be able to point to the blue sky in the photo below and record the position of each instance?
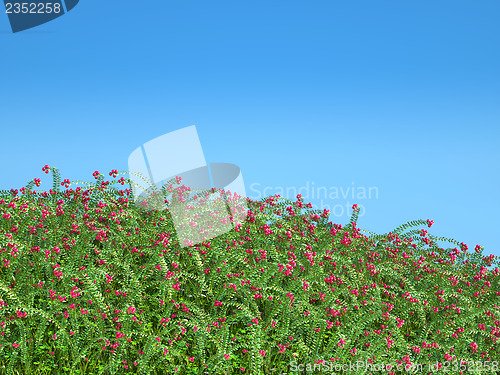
(401, 96)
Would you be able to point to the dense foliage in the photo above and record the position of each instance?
(92, 283)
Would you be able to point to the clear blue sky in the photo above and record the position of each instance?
(401, 96)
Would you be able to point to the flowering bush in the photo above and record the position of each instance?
(90, 283)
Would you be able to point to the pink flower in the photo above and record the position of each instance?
(131, 310)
